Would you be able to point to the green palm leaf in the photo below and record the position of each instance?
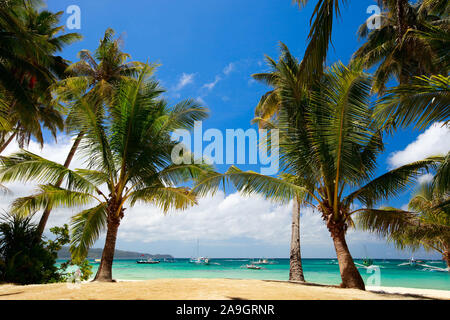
(86, 228)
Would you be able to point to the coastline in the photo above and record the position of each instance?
(209, 289)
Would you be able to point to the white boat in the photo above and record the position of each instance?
(261, 261)
(412, 262)
(253, 266)
(147, 261)
(199, 260)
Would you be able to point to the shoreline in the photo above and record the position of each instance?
(209, 289)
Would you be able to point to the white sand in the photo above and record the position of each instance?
(207, 289)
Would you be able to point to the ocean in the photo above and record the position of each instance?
(386, 273)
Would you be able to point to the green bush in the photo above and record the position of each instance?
(25, 259)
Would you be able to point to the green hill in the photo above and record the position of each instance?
(96, 253)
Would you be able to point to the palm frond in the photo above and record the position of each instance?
(86, 228)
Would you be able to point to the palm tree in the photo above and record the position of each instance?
(322, 26)
(398, 48)
(426, 98)
(91, 81)
(30, 40)
(319, 36)
(427, 224)
(334, 150)
(420, 103)
(295, 255)
(285, 75)
(127, 152)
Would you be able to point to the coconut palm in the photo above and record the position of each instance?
(285, 75)
(319, 35)
(421, 103)
(334, 150)
(30, 39)
(103, 68)
(425, 99)
(91, 81)
(128, 159)
(427, 223)
(398, 48)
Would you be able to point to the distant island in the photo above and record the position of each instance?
(96, 253)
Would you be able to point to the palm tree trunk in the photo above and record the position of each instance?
(295, 262)
(7, 142)
(48, 209)
(446, 257)
(401, 22)
(104, 273)
(351, 278)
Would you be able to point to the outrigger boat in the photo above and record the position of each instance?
(412, 262)
(420, 263)
(253, 266)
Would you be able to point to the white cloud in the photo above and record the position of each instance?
(425, 178)
(221, 217)
(229, 68)
(435, 140)
(201, 101)
(185, 79)
(226, 71)
(211, 85)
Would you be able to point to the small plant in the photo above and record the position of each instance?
(63, 238)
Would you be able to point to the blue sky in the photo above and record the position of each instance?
(214, 46)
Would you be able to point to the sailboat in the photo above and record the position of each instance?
(199, 260)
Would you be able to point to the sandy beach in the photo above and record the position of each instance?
(207, 289)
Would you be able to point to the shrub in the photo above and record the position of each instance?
(26, 259)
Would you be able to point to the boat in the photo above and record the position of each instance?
(262, 261)
(199, 260)
(253, 266)
(367, 262)
(170, 260)
(147, 261)
(96, 261)
(411, 262)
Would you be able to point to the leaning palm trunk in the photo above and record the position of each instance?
(295, 267)
(446, 257)
(104, 272)
(48, 209)
(351, 278)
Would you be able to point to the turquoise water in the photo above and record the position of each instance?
(324, 271)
